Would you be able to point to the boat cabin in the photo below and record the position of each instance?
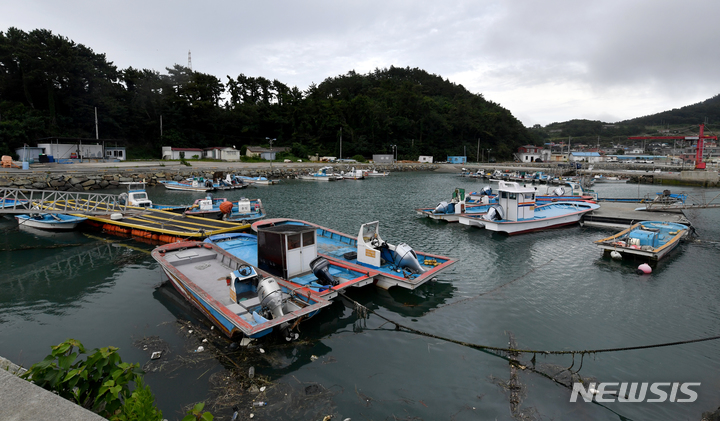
(136, 195)
(369, 244)
(286, 250)
(517, 201)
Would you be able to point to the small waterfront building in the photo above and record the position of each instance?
(383, 158)
(591, 157)
(223, 153)
(426, 158)
(532, 153)
(457, 159)
(29, 154)
(116, 152)
(168, 152)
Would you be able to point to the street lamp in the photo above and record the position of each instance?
(271, 155)
(394, 152)
(489, 149)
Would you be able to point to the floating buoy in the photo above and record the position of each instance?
(644, 269)
(616, 255)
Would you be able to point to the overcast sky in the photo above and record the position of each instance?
(545, 61)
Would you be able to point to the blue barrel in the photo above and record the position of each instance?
(26, 165)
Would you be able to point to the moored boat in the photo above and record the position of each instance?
(460, 204)
(376, 173)
(210, 207)
(386, 264)
(517, 213)
(246, 210)
(648, 239)
(50, 221)
(322, 174)
(232, 294)
(194, 185)
(136, 195)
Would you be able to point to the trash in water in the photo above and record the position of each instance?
(262, 351)
(204, 341)
(259, 403)
(313, 357)
(156, 355)
(245, 341)
(262, 389)
(200, 349)
(190, 331)
(251, 372)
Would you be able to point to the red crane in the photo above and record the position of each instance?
(699, 164)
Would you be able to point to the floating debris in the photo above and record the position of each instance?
(156, 355)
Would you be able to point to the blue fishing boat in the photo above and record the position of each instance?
(473, 204)
(290, 253)
(322, 174)
(246, 210)
(209, 207)
(234, 295)
(648, 239)
(50, 221)
(194, 185)
(517, 213)
(386, 264)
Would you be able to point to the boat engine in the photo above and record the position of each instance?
(495, 213)
(558, 192)
(445, 207)
(270, 296)
(487, 191)
(406, 258)
(320, 267)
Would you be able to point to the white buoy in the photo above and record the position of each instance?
(644, 269)
(616, 255)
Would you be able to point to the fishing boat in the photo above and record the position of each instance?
(290, 252)
(517, 213)
(388, 265)
(210, 207)
(232, 294)
(322, 174)
(648, 239)
(50, 221)
(246, 210)
(473, 204)
(572, 191)
(353, 174)
(376, 173)
(255, 180)
(194, 185)
(137, 196)
(599, 178)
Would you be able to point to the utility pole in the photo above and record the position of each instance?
(340, 142)
(478, 152)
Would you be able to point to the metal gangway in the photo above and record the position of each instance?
(664, 202)
(20, 201)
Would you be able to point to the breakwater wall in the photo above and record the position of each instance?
(86, 179)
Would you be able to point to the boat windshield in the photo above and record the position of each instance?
(369, 230)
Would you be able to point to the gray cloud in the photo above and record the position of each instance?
(545, 61)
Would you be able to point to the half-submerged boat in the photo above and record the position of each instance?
(386, 264)
(232, 294)
(50, 221)
(648, 239)
(517, 213)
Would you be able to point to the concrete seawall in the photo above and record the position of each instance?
(98, 176)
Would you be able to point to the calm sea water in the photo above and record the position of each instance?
(558, 293)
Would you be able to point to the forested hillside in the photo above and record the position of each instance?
(50, 86)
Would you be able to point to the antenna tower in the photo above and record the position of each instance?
(189, 61)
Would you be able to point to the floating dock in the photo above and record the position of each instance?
(623, 215)
(153, 225)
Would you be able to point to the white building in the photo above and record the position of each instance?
(222, 153)
(426, 158)
(383, 158)
(116, 152)
(168, 152)
(72, 150)
(532, 153)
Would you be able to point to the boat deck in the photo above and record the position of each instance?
(623, 215)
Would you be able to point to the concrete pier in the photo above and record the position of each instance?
(622, 215)
(22, 400)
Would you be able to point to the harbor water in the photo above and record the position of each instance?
(549, 290)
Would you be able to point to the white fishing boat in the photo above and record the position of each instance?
(648, 239)
(375, 173)
(354, 174)
(460, 204)
(517, 213)
(322, 174)
(50, 221)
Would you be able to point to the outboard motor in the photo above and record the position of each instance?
(495, 213)
(270, 296)
(406, 258)
(445, 207)
(487, 191)
(320, 267)
(560, 191)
